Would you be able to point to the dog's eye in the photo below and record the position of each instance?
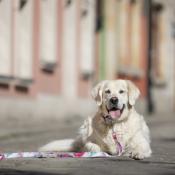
(107, 91)
(121, 91)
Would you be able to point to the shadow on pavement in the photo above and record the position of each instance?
(167, 139)
(152, 162)
(26, 172)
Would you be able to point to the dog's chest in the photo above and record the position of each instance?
(116, 138)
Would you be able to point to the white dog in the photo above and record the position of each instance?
(116, 128)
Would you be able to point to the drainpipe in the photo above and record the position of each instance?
(150, 104)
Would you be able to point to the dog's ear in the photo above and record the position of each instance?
(133, 92)
(97, 92)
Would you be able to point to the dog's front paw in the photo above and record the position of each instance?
(140, 155)
(137, 156)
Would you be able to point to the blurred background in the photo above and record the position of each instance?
(52, 52)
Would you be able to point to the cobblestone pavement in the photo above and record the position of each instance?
(28, 135)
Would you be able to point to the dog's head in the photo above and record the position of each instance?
(115, 98)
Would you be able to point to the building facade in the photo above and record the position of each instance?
(52, 52)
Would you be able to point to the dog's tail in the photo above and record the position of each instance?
(65, 145)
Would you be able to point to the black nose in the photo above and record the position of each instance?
(114, 100)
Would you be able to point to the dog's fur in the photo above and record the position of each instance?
(117, 115)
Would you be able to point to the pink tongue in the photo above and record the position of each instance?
(115, 114)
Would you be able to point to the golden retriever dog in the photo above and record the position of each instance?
(116, 127)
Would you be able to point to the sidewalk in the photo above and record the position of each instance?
(28, 135)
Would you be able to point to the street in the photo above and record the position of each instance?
(23, 135)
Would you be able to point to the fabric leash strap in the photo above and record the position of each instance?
(54, 155)
(118, 144)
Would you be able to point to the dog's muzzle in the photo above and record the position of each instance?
(114, 108)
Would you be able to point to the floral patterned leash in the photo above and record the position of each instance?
(4, 156)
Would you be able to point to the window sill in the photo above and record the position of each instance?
(48, 67)
(23, 82)
(130, 72)
(5, 79)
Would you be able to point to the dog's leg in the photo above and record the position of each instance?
(92, 147)
(140, 147)
(58, 145)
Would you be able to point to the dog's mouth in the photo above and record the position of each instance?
(115, 112)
